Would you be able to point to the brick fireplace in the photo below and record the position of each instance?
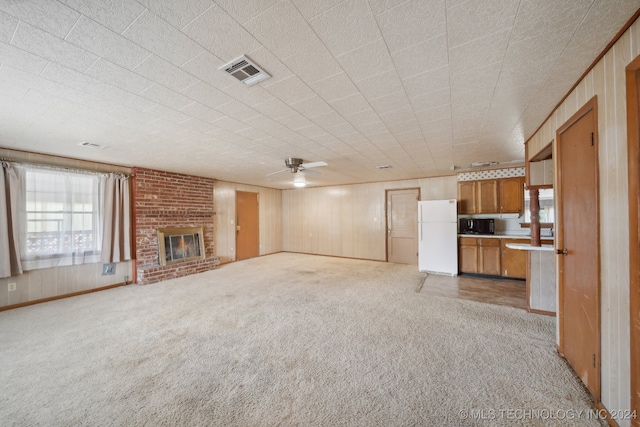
(182, 205)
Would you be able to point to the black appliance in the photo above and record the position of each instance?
(476, 226)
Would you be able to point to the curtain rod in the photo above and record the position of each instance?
(50, 166)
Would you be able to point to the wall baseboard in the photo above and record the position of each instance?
(73, 294)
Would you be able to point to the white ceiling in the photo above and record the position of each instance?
(420, 85)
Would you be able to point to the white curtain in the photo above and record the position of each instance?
(61, 214)
(10, 264)
(116, 241)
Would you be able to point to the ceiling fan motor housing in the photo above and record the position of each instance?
(293, 163)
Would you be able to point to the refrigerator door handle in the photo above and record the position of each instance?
(420, 229)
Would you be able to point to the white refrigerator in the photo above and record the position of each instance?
(438, 237)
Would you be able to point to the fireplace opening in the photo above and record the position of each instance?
(180, 244)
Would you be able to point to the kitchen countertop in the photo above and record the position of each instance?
(525, 247)
(504, 236)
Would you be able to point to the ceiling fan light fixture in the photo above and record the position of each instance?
(299, 184)
(299, 181)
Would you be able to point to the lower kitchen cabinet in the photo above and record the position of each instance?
(514, 261)
(468, 255)
(489, 256)
(481, 256)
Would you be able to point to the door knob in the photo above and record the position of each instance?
(237, 228)
(389, 232)
(563, 251)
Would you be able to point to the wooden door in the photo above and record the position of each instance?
(577, 240)
(633, 152)
(467, 197)
(511, 195)
(487, 198)
(247, 225)
(402, 226)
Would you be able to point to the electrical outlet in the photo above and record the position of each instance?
(12, 286)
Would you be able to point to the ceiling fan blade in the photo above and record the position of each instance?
(313, 164)
(273, 173)
(308, 172)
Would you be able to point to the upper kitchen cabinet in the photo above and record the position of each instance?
(512, 195)
(491, 196)
(487, 196)
(467, 197)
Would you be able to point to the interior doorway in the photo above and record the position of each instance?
(633, 150)
(578, 259)
(247, 225)
(402, 226)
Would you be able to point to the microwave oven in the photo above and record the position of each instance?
(476, 226)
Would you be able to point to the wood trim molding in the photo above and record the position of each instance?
(73, 294)
(604, 413)
(633, 150)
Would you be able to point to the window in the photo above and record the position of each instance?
(547, 211)
(61, 212)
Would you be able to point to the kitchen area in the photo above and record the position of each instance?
(495, 234)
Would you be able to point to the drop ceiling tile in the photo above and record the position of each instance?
(412, 22)
(274, 108)
(414, 136)
(7, 27)
(342, 131)
(380, 85)
(291, 90)
(334, 87)
(469, 21)
(363, 118)
(329, 120)
(115, 75)
(346, 27)
(23, 79)
(52, 17)
(157, 69)
(312, 107)
(121, 96)
(103, 42)
(367, 61)
(73, 79)
(22, 60)
(422, 57)
(157, 36)
(202, 112)
(245, 10)
(311, 131)
(52, 48)
(427, 82)
(250, 96)
(229, 40)
(115, 15)
(536, 17)
(312, 8)
(313, 64)
(426, 101)
(484, 78)
(232, 125)
(479, 52)
(282, 30)
(350, 104)
(295, 121)
(252, 134)
(437, 113)
(238, 111)
(380, 6)
(205, 67)
(176, 12)
(388, 103)
(207, 95)
(165, 96)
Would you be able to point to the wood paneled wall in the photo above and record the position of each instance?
(607, 81)
(348, 220)
(270, 201)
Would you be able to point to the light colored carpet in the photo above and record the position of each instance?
(285, 339)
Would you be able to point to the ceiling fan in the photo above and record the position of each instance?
(295, 165)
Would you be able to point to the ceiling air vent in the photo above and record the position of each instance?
(245, 70)
(383, 167)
